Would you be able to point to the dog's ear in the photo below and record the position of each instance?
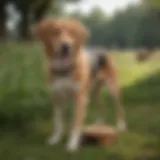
(39, 30)
(80, 32)
(78, 29)
(44, 28)
(83, 33)
(82, 36)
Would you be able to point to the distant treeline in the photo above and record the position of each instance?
(137, 26)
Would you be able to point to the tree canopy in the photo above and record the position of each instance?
(135, 26)
(31, 11)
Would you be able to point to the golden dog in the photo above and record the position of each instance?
(70, 69)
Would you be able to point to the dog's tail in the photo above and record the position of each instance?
(102, 60)
(106, 61)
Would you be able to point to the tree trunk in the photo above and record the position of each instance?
(39, 14)
(41, 10)
(2, 21)
(24, 28)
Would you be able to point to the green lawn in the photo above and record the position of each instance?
(25, 107)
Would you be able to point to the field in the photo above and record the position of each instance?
(25, 109)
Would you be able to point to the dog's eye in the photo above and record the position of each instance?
(57, 31)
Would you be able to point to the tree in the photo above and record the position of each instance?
(33, 10)
(148, 33)
(30, 11)
(135, 26)
(155, 4)
(95, 20)
(3, 4)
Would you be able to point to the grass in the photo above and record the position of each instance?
(25, 101)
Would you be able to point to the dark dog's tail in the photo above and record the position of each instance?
(101, 60)
(105, 61)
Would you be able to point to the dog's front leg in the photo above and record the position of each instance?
(57, 126)
(57, 119)
(79, 115)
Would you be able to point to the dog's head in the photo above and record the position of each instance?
(62, 38)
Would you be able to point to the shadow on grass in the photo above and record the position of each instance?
(142, 102)
(144, 92)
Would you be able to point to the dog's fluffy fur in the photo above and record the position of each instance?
(52, 32)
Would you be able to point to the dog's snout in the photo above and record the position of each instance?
(65, 49)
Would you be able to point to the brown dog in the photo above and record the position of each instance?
(70, 69)
(144, 54)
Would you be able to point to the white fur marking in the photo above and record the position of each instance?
(75, 136)
(58, 127)
(64, 83)
(74, 140)
(121, 125)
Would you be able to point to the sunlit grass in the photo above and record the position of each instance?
(131, 71)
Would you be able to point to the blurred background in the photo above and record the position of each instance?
(130, 29)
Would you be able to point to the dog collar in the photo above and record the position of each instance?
(63, 72)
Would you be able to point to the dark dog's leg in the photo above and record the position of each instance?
(98, 103)
(115, 92)
(110, 75)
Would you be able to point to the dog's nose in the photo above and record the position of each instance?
(65, 50)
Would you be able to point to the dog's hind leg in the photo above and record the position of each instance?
(115, 92)
(110, 76)
(98, 103)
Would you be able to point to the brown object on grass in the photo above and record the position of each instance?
(102, 135)
(144, 54)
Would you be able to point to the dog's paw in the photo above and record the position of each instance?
(73, 143)
(121, 126)
(53, 140)
(72, 147)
